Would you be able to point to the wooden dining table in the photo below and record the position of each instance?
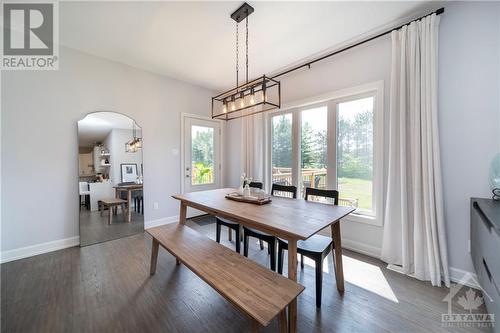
(129, 188)
(289, 219)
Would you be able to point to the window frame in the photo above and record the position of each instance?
(331, 100)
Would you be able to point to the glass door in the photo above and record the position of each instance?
(202, 163)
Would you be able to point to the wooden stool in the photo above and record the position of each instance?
(112, 204)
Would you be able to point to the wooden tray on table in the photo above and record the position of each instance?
(252, 200)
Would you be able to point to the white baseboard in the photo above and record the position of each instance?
(36, 249)
(162, 221)
(466, 278)
(33, 250)
(362, 248)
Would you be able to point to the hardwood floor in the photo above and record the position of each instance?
(107, 288)
(94, 228)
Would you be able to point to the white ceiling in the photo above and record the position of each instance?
(96, 126)
(195, 41)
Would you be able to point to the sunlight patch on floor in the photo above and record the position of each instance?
(367, 276)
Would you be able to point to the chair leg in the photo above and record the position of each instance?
(319, 281)
(230, 234)
(272, 248)
(237, 240)
(261, 244)
(280, 259)
(217, 232)
(302, 261)
(245, 245)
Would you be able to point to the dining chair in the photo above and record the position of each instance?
(316, 247)
(276, 190)
(232, 225)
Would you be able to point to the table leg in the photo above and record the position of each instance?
(282, 325)
(337, 258)
(182, 213)
(129, 203)
(110, 216)
(292, 275)
(154, 256)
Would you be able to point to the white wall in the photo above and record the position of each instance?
(469, 111)
(468, 104)
(40, 110)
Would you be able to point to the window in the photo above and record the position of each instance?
(355, 153)
(282, 149)
(313, 148)
(202, 155)
(338, 146)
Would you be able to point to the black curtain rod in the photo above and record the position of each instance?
(308, 64)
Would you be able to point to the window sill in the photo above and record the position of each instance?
(366, 219)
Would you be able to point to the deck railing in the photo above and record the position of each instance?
(315, 178)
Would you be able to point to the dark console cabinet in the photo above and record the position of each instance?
(485, 249)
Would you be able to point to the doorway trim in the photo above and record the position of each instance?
(182, 150)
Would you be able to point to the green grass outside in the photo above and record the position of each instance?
(361, 189)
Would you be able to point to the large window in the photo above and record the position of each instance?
(338, 146)
(282, 149)
(355, 153)
(313, 148)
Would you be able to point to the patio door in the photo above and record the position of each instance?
(202, 154)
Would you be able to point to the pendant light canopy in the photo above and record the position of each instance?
(252, 97)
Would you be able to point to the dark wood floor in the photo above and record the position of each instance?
(94, 228)
(107, 288)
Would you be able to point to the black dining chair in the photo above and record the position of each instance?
(232, 225)
(316, 247)
(276, 190)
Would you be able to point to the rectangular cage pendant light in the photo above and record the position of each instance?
(260, 95)
(253, 97)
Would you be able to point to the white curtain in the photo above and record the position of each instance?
(252, 147)
(414, 226)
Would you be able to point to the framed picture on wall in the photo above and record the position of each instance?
(129, 172)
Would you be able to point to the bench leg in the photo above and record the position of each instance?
(154, 256)
(282, 323)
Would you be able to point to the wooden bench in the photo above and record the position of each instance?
(256, 291)
(112, 204)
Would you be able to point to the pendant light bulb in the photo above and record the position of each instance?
(224, 106)
(242, 100)
(233, 106)
(252, 97)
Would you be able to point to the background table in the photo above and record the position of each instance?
(128, 189)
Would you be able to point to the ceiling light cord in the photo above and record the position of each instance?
(246, 40)
(237, 55)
